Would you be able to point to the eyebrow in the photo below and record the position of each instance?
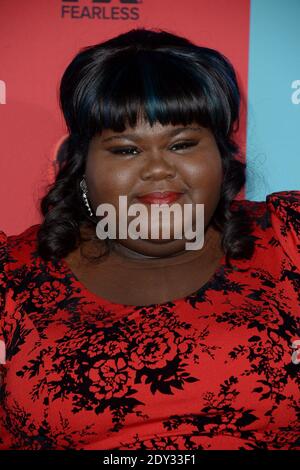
(170, 133)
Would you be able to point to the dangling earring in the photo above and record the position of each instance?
(84, 189)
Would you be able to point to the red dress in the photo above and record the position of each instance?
(217, 369)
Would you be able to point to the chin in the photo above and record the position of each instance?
(157, 247)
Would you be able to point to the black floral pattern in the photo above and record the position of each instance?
(212, 370)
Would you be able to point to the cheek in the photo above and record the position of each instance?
(205, 181)
(206, 177)
(107, 181)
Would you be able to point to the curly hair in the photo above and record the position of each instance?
(174, 81)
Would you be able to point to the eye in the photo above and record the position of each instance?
(120, 151)
(129, 150)
(184, 144)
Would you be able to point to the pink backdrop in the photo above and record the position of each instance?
(37, 43)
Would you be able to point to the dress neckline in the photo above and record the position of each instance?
(100, 300)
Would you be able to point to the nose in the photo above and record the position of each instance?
(157, 167)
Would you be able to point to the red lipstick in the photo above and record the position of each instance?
(165, 197)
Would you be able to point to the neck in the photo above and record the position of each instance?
(124, 256)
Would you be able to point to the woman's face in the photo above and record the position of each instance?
(160, 158)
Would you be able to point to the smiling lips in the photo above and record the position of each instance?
(165, 197)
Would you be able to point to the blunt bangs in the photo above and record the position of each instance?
(169, 85)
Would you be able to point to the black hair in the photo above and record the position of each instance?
(162, 77)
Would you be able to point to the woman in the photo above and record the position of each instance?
(139, 343)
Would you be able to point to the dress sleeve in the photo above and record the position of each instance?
(3, 258)
(284, 209)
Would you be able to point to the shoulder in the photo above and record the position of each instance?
(284, 210)
(284, 206)
(15, 258)
(279, 216)
(25, 238)
(19, 248)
